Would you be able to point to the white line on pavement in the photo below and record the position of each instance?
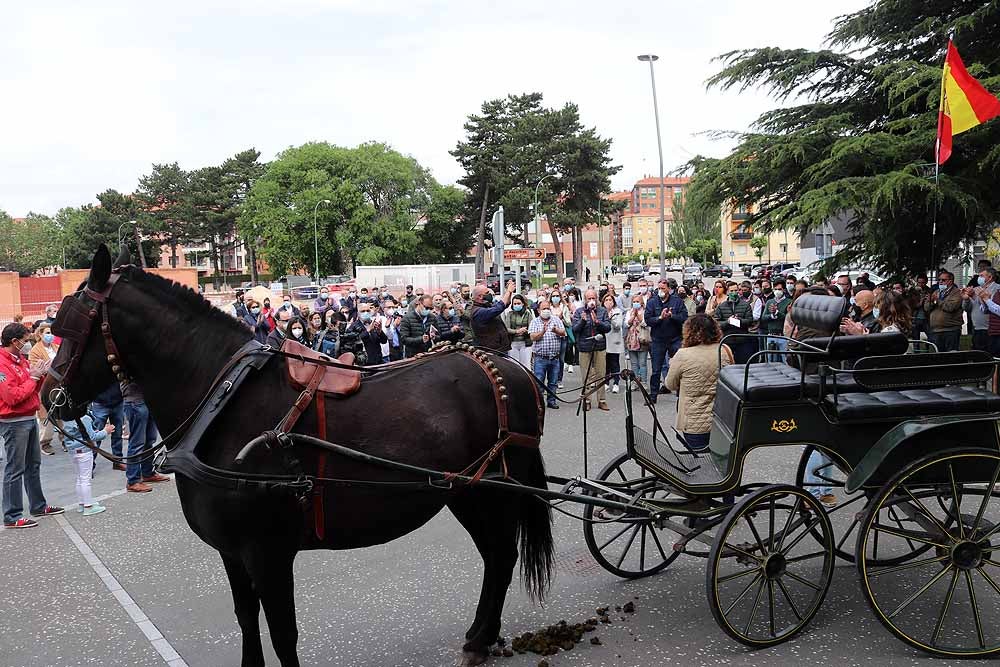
(162, 646)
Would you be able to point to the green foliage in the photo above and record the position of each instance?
(85, 228)
(377, 197)
(759, 244)
(30, 244)
(691, 226)
(859, 138)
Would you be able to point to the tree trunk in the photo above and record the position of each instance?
(215, 263)
(481, 236)
(578, 271)
(557, 244)
(252, 261)
(173, 253)
(138, 243)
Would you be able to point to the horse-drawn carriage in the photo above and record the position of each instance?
(911, 438)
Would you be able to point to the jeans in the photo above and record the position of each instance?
(116, 414)
(637, 361)
(696, 442)
(547, 372)
(594, 365)
(24, 461)
(777, 344)
(614, 367)
(563, 343)
(660, 352)
(980, 340)
(821, 463)
(946, 341)
(141, 433)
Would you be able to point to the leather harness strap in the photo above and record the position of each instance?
(319, 516)
(302, 402)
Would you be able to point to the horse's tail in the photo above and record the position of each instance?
(534, 526)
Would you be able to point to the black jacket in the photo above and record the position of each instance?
(412, 330)
(585, 328)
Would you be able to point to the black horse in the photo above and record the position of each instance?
(439, 414)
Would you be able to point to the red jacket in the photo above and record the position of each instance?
(18, 390)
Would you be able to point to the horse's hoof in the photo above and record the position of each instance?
(472, 658)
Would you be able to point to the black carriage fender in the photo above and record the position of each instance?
(899, 434)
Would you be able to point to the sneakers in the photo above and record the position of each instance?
(569, 368)
(829, 500)
(96, 508)
(559, 386)
(21, 523)
(614, 389)
(47, 449)
(154, 478)
(50, 510)
(139, 487)
(553, 406)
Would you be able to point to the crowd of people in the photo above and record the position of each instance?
(668, 334)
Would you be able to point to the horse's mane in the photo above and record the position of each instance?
(191, 301)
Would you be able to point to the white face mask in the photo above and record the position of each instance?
(592, 303)
(297, 332)
(546, 313)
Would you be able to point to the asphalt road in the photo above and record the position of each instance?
(134, 586)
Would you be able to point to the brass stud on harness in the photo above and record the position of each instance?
(111, 358)
(116, 370)
(502, 389)
(503, 397)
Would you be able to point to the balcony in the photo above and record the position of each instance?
(739, 216)
(741, 236)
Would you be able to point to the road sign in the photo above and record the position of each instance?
(732, 253)
(523, 253)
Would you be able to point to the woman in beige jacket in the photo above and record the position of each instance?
(693, 374)
(41, 355)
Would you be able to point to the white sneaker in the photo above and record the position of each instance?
(614, 389)
(559, 386)
(569, 369)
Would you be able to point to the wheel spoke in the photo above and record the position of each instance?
(927, 513)
(788, 522)
(756, 535)
(770, 524)
(804, 582)
(907, 566)
(784, 591)
(986, 499)
(756, 606)
(923, 589)
(878, 528)
(621, 474)
(659, 547)
(796, 559)
(956, 500)
(975, 610)
(619, 534)
(945, 607)
(628, 546)
(770, 606)
(741, 551)
(737, 575)
(642, 549)
(854, 524)
(892, 515)
(805, 532)
(989, 579)
(743, 593)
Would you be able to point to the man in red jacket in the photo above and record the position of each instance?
(19, 430)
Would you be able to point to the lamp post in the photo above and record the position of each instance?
(316, 233)
(650, 58)
(127, 222)
(538, 222)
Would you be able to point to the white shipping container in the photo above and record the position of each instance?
(431, 277)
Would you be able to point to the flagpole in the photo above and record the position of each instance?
(937, 156)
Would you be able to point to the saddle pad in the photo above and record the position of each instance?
(338, 381)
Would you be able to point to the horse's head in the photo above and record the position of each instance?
(83, 367)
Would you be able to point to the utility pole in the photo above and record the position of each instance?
(650, 58)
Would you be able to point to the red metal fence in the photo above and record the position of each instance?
(38, 292)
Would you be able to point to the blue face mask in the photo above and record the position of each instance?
(942, 288)
(366, 316)
(875, 312)
(853, 302)
(981, 281)
(451, 312)
(555, 298)
(627, 292)
(48, 338)
(636, 306)
(517, 308)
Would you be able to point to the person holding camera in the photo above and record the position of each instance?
(370, 334)
(590, 325)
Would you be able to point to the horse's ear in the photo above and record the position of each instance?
(124, 257)
(100, 269)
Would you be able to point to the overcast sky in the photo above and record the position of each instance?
(94, 92)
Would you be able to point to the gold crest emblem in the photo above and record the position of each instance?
(783, 425)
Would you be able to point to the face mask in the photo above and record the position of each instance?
(556, 299)
(465, 295)
(385, 294)
(756, 290)
(627, 292)
(48, 338)
(662, 293)
(853, 301)
(546, 313)
(366, 317)
(636, 306)
(643, 289)
(451, 312)
(981, 281)
(364, 295)
(699, 298)
(286, 304)
(734, 296)
(324, 295)
(267, 304)
(255, 311)
(297, 332)
(488, 297)
(567, 288)
(517, 308)
(943, 288)
(875, 312)
(592, 304)
(453, 290)
(778, 295)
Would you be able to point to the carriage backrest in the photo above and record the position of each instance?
(819, 312)
(936, 369)
(856, 347)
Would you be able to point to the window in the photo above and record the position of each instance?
(783, 247)
(824, 245)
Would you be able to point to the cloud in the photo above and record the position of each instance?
(96, 93)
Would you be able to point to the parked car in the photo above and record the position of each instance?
(675, 267)
(634, 272)
(691, 275)
(304, 293)
(718, 271)
(494, 284)
(750, 269)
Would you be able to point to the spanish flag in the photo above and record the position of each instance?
(964, 103)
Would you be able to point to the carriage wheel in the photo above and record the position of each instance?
(947, 602)
(770, 566)
(627, 546)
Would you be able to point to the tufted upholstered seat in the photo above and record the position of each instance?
(912, 403)
(776, 381)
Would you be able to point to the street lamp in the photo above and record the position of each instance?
(650, 58)
(316, 233)
(128, 222)
(538, 220)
